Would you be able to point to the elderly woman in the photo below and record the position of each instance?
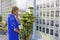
(13, 29)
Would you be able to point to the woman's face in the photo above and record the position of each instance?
(15, 12)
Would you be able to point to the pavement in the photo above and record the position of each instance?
(3, 37)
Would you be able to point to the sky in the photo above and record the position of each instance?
(23, 4)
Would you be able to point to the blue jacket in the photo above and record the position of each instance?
(12, 23)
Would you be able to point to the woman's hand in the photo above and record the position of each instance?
(19, 33)
(16, 30)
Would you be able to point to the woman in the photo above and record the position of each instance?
(13, 29)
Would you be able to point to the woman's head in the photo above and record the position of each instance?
(15, 10)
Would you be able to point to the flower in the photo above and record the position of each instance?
(27, 24)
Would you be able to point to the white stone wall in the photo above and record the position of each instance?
(0, 6)
(48, 14)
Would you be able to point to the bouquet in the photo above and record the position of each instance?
(27, 25)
